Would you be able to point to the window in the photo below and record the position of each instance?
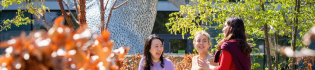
(159, 24)
(178, 46)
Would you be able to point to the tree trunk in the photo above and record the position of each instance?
(276, 47)
(294, 33)
(293, 45)
(267, 48)
(102, 12)
(82, 18)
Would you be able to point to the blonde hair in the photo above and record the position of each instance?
(202, 33)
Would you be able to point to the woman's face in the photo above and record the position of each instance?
(225, 29)
(156, 48)
(202, 43)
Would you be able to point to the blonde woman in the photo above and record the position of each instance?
(202, 43)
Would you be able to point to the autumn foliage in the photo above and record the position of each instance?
(62, 48)
(180, 63)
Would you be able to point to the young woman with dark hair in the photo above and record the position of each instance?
(235, 50)
(153, 55)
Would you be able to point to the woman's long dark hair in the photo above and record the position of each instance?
(236, 30)
(147, 54)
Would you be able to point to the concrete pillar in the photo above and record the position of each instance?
(190, 46)
(166, 45)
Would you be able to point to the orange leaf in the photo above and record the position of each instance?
(106, 35)
(59, 21)
(79, 59)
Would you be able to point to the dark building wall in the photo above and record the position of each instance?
(14, 31)
(11, 14)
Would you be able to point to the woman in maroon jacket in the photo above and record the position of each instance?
(235, 50)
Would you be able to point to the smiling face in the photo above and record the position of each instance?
(225, 29)
(201, 43)
(156, 48)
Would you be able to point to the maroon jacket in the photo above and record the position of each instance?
(241, 61)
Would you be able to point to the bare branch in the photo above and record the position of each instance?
(5, 26)
(44, 20)
(76, 7)
(65, 14)
(71, 13)
(106, 5)
(110, 14)
(39, 13)
(121, 4)
(103, 13)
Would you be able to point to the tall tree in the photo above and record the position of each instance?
(259, 17)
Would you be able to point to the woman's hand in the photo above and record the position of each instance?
(203, 64)
(211, 67)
